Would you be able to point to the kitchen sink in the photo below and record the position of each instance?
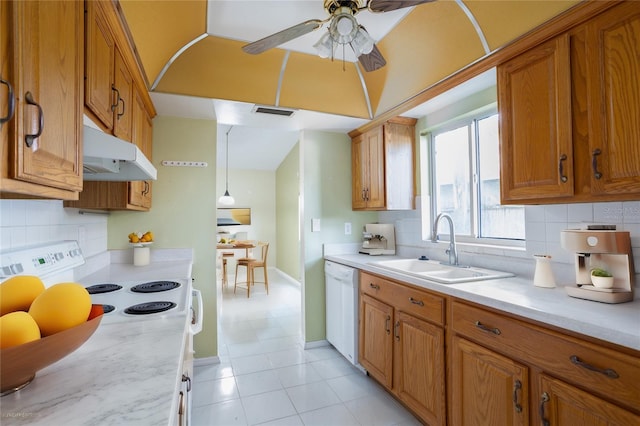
(439, 272)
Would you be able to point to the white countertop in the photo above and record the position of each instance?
(615, 323)
(125, 374)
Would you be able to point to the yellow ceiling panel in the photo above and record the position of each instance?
(503, 21)
(161, 28)
(218, 68)
(431, 43)
(317, 84)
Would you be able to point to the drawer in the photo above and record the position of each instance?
(419, 303)
(602, 371)
(376, 287)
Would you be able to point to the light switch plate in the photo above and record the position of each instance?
(347, 228)
(315, 225)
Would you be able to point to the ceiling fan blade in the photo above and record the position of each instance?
(389, 5)
(283, 36)
(372, 61)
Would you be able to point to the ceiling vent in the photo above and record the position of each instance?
(273, 111)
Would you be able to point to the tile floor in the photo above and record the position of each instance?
(265, 376)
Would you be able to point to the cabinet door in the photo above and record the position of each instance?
(562, 404)
(613, 67)
(359, 161)
(6, 86)
(99, 95)
(419, 376)
(487, 388)
(47, 65)
(124, 107)
(399, 145)
(140, 191)
(376, 344)
(534, 97)
(375, 187)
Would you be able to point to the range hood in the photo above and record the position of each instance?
(107, 158)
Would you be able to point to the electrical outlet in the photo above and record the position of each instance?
(347, 228)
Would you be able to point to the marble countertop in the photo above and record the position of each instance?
(615, 323)
(125, 374)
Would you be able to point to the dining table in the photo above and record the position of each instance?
(237, 245)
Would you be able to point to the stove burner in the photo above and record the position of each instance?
(108, 308)
(149, 308)
(155, 286)
(103, 288)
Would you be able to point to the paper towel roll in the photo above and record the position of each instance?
(141, 256)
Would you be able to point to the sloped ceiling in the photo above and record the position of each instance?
(430, 43)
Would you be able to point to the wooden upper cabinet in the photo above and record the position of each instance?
(383, 173)
(100, 56)
(570, 114)
(534, 95)
(140, 191)
(613, 79)
(124, 93)
(42, 51)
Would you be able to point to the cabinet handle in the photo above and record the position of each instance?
(483, 327)
(516, 387)
(364, 195)
(120, 114)
(113, 106)
(12, 102)
(182, 408)
(594, 163)
(187, 379)
(396, 330)
(563, 177)
(386, 324)
(416, 301)
(28, 139)
(374, 286)
(609, 372)
(543, 400)
(145, 191)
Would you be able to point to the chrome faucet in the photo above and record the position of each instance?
(452, 252)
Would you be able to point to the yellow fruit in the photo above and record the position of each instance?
(134, 239)
(60, 307)
(17, 328)
(148, 235)
(17, 293)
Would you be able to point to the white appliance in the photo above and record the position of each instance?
(341, 288)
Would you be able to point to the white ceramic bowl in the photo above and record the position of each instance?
(602, 282)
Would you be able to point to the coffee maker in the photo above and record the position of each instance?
(606, 249)
(378, 239)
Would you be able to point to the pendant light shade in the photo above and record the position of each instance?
(227, 199)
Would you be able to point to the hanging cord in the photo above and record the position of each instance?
(227, 167)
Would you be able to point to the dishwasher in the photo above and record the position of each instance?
(341, 288)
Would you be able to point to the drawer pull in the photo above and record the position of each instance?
(609, 372)
(543, 400)
(386, 324)
(416, 301)
(374, 286)
(483, 327)
(516, 387)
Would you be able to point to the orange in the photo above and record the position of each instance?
(17, 328)
(17, 293)
(60, 307)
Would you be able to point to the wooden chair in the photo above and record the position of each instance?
(225, 255)
(251, 264)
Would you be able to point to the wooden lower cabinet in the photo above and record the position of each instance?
(403, 351)
(487, 388)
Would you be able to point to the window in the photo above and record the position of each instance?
(465, 180)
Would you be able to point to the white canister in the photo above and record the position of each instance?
(141, 256)
(543, 276)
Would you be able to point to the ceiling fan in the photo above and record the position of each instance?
(343, 30)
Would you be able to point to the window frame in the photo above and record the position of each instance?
(428, 171)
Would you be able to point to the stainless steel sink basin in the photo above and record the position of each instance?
(435, 271)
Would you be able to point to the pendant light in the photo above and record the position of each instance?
(226, 199)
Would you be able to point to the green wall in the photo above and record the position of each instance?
(183, 209)
(287, 215)
(326, 160)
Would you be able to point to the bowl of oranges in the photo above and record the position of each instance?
(140, 239)
(39, 326)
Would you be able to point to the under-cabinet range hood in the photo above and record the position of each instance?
(107, 158)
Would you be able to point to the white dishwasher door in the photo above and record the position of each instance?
(341, 286)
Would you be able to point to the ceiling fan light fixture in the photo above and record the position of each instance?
(362, 43)
(343, 27)
(324, 46)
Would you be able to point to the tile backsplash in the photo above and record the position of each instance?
(33, 222)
